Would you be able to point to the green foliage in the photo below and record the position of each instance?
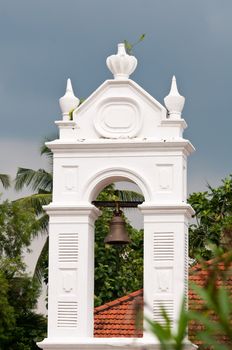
(23, 327)
(129, 46)
(7, 319)
(20, 326)
(17, 227)
(36, 202)
(30, 328)
(213, 219)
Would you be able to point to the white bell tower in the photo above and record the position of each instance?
(119, 133)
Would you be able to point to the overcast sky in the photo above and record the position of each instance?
(45, 42)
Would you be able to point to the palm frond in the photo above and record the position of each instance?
(43, 223)
(35, 201)
(31, 321)
(44, 150)
(40, 265)
(40, 191)
(34, 179)
(130, 196)
(5, 180)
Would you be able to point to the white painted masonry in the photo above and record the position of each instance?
(119, 133)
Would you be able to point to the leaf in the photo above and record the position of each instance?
(209, 340)
(205, 320)
(142, 37)
(40, 266)
(182, 325)
(128, 196)
(161, 332)
(36, 179)
(5, 180)
(202, 292)
(35, 201)
(224, 304)
(128, 46)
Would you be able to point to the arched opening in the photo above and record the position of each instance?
(113, 175)
(118, 278)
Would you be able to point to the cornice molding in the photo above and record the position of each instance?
(157, 209)
(86, 209)
(121, 145)
(174, 123)
(106, 344)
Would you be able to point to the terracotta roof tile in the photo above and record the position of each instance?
(117, 318)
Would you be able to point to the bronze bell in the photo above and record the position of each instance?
(118, 233)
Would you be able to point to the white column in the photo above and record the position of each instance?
(71, 271)
(165, 259)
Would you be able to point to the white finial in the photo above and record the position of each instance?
(174, 102)
(68, 102)
(121, 64)
(69, 86)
